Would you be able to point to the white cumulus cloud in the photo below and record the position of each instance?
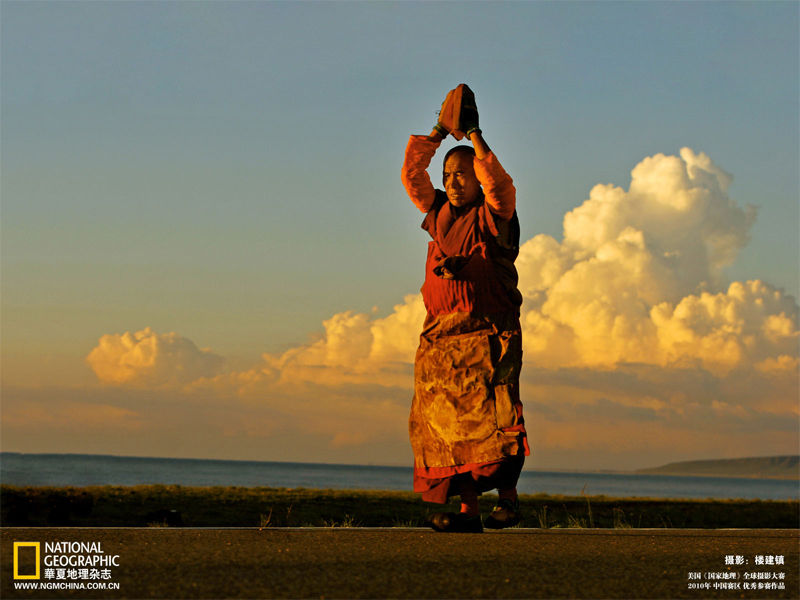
(638, 274)
(147, 358)
(356, 348)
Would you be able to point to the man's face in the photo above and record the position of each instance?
(460, 182)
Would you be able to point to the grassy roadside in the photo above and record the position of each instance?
(160, 505)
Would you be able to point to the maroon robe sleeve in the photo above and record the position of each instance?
(419, 152)
(498, 187)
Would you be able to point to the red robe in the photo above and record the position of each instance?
(466, 416)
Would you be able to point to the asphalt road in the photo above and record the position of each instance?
(411, 563)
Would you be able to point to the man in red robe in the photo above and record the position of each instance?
(466, 426)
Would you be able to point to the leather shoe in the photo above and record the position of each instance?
(505, 514)
(455, 523)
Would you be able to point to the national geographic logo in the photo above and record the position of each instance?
(73, 561)
(30, 552)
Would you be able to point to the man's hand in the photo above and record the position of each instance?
(450, 114)
(459, 117)
(446, 122)
(468, 117)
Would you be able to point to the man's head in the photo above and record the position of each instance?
(458, 176)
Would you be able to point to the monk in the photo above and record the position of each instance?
(466, 425)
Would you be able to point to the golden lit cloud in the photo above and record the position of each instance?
(355, 349)
(634, 278)
(750, 325)
(150, 359)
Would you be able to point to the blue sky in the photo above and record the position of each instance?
(230, 171)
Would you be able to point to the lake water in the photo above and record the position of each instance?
(87, 469)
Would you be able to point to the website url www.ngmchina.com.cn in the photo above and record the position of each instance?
(65, 585)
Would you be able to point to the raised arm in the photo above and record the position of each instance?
(419, 152)
(498, 187)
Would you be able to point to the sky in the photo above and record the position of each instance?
(207, 251)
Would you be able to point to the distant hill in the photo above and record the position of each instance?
(766, 467)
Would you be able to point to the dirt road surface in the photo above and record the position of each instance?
(403, 563)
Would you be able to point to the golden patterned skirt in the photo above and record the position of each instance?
(466, 415)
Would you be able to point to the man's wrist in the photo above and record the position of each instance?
(441, 130)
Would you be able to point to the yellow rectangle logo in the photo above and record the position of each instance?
(35, 546)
